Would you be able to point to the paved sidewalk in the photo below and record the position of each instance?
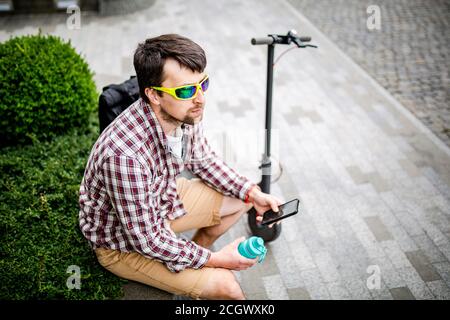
(373, 181)
(409, 55)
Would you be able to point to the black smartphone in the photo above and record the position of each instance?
(285, 210)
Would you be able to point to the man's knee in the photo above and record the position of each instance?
(232, 291)
(229, 288)
(223, 285)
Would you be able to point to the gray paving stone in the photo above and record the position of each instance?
(298, 294)
(439, 289)
(269, 265)
(302, 255)
(359, 268)
(417, 200)
(357, 288)
(315, 284)
(378, 228)
(423, 267)
(428, 189)
(288, 186)
(252, 285)
(367, 189)
(378, 182)
(364, 235)
(251, 281)
(274, 288)
(386, 167)
(401, 183)
(383, 293)
(326, 267)
(409, 223)
(300, 179)
(442, 203)
(409, 167)
(290, 232)
(391, 199)
(256, 295)
(287, 266)
(429, 249)
(440, 239)
(322, 224)
(357, 176)
(395, 254)
(441, 220)
(436, 180)
(360, 202)
(415, 283)
(310, 235)
(386, 214)
(403, 239)
(445, 248)
(388, 273)
(447, 234)
(338, 291)
(402, 293)
(443, 268)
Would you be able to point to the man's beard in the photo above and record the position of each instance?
(171, 119)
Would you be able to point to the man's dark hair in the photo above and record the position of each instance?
(150, 57)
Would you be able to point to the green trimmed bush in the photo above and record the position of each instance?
(39, 231)
(46, 88)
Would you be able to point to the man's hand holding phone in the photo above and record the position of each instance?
(285, 210)
(263, 202)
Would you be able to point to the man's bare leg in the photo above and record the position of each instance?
(231, 210)
(222, 285)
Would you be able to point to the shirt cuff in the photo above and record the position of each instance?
(245, 188)
(200, 257)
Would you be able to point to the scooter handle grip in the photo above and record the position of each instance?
(266, 40)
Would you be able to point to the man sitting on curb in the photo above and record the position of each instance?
(132, 201)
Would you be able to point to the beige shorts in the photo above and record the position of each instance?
(202, 204)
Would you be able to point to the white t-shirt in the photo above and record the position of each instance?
(175, 142)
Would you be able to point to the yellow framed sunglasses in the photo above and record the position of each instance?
(187, 92)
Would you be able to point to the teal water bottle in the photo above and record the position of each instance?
(253, 247)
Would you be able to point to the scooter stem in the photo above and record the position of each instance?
(266, 165)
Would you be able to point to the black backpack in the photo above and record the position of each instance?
(114, 99)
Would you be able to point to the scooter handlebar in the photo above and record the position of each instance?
(266, 40)
(280, 39)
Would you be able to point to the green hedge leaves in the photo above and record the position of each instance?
(46, 88)
(39, 231)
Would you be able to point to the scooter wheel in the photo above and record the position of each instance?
(268, 234)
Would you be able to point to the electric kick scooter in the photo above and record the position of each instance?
(270, 234)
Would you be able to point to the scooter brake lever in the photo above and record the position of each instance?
(298, 42)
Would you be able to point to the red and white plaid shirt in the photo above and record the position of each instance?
(129, 188)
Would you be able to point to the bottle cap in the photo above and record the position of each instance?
(253, 247)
